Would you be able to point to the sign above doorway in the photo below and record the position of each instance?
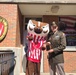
(3, 28)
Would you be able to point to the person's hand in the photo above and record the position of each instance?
(43, 47)
(48, 42)
(50, 51)
(30, 38)
(48, 46)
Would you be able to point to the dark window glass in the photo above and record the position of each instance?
(68, 25)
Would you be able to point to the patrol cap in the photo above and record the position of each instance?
(54, 24)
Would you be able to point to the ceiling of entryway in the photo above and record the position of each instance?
(46, 9)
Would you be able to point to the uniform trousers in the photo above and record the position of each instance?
(56, 68)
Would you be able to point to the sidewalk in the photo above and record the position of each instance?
(49, 74)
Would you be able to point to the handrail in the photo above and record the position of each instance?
(5, 61)
(5, 52)
(7, 58)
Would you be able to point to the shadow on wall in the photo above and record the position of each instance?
(62, 26)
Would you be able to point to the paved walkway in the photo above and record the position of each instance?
(49, 74)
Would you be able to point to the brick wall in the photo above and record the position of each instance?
(45, 64)
(10, 13)
(19, 28)
(69, 64)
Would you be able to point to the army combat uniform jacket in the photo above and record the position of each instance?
(58, 44)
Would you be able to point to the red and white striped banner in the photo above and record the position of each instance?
(70, 22)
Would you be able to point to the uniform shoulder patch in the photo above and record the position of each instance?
(63, 34)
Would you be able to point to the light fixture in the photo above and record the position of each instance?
(54, 8)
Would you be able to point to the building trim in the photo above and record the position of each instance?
(9, 48)
(68, 49)
(34, 2)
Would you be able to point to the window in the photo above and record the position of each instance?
(69, 29)
(71, 39)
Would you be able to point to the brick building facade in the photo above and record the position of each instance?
(12, 14)
(14, 38)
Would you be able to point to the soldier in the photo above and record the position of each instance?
(55, 54)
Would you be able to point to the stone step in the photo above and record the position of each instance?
(49, 74)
